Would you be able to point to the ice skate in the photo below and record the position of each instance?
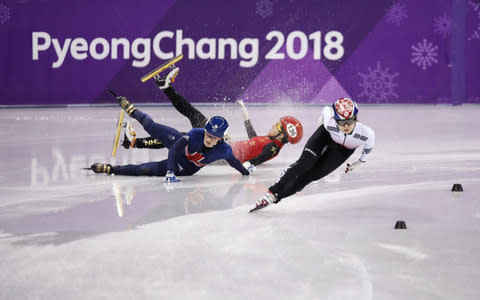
(126, 105)
(129, 136)
(166, 81)
(101, 168)
(264, 201)
(162, 68)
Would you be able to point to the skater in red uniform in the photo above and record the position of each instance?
(330, 146)
(255, 150)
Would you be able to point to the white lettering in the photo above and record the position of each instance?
(104, 45)
(36, 47)
(126, 48)
(246, 50)
(211, 49)
(188, 42)
(143, 58)
(252, 55)
(60, 51)
(223, 43)
(156, 45)
(79, 49)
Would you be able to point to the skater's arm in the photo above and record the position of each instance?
(235, 163)
(369, 135)
(250, 131)
(174, 149)
(368, 146)
(246, 120)
(269, 151)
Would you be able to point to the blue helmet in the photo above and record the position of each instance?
(344, 108)
(217, 126)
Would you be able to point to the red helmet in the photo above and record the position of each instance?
(344, 109)
(292, 127)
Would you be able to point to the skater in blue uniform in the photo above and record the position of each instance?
(187, 153)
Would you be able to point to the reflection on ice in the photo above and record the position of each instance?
(334, 240)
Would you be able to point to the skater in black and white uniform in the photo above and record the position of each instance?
(329, 147)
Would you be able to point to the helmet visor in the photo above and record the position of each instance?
(346, 122)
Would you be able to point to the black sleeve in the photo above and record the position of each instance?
(250, 131)
(196, 118)
(269, 150)
(235, 163)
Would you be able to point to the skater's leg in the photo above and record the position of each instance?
(295, 174)
(165, 134)
(148, 142)
(196, 118)
(334, 157)
(291, 183)
(130, 139)
(146, 169)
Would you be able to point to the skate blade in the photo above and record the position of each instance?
(161, 68)
(116, 140)
(257, 208)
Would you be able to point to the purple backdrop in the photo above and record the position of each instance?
(380, 51)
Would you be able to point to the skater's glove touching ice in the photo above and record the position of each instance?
(170, 177)
(353, 166)
(250, 167)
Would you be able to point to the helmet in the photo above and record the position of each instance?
(344, 108)
(292, 127)
(217, 126)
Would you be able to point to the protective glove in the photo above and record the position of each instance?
(250, 167)
(353, 166)
(170, 177)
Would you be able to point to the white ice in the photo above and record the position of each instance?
(66, 233)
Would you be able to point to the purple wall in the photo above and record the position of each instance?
(376, 51)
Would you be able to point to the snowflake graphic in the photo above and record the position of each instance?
(264, 8)
(397, 13)
(424, 54)
(443, 25)
(4, 13)
(378, 84)
(476, 10)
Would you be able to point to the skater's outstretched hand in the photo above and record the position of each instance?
(244, 110)
(250, 167)
(170, 177)
(353, 166)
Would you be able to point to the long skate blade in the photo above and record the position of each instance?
(161, 68)
(117, 133)
(113, 93)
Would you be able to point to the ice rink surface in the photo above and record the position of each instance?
(66, 233)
